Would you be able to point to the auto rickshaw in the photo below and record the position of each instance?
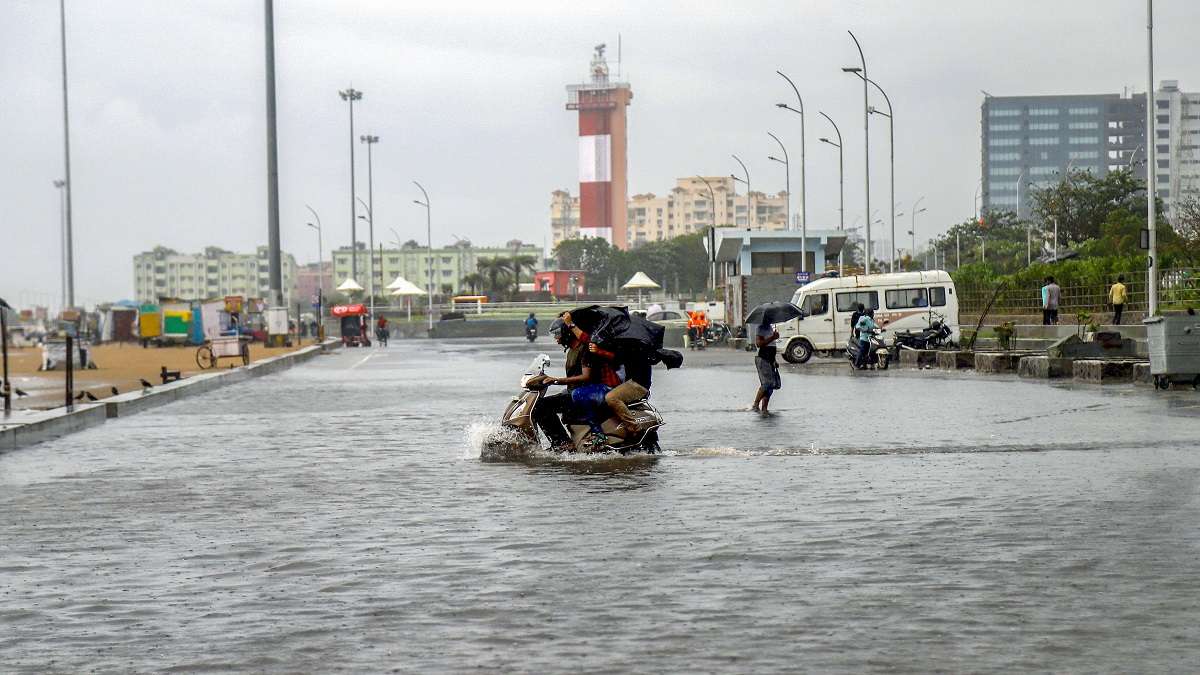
(355, 332)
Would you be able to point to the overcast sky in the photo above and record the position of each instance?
(168, 123)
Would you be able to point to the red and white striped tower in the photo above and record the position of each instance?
(603, 156)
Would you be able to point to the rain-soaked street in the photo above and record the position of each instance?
(338, 517)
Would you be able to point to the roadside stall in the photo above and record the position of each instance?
(353, 321)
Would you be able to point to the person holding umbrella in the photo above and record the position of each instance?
(765, 316)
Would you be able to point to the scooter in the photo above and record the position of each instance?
(531, 334)
(519, 431)
(878, 356)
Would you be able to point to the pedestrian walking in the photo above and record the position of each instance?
(768, 368)
(1116, 296)
(1051, 295)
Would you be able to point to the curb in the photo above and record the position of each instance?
(45, 425)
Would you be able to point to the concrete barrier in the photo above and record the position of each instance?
(997, 362)
(1141, 373)
(1099, 371)
(955, 360)
(918, 358)
(1044, 367)
(28, 428)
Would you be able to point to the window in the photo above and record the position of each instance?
(1083, 154)
(1083, 140)
(937, 296)
(1044, 126)
(1044, 140)
(1004, 171)
(1003, 201)
(1004, 156)
(1004, 127)
(1043, 170)
(1003, 112)
(1084, 111)
(998, 142)
(1003, 187)
(846, 301)
(774, 263)
(906, 298)
(1162, 133)
(1083, 125)
(1043, 112)
(1162, 104)
(815, 305)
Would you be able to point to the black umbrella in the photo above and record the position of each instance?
(631, 336)
(774, 312)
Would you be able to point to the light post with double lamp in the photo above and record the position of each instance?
(913, 231)
(891, 156)
(320, 273)
(62, 228)
(351, 95)
(712, 233)
(371, 141)
(862, 73)
(841, 186)
(429, 240)
(749, 211)
(369, 219)
(803, 166)
(787, 182)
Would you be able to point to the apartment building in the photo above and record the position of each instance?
(1176, 142)
(166, 273)
(449, 264)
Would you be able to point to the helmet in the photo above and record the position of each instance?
(558, 330)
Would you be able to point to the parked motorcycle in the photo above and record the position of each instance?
(935, 336)
(878, 356)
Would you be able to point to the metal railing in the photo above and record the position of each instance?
(1177, 288)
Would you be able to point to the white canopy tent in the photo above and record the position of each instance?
(350, 286)
(641, 282)
(402, 287)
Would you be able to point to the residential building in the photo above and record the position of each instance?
(564, 216)
(688, 207)
(215, 273)
(1177, 142)
(1029, 142)
(412, 261)
(313, 278)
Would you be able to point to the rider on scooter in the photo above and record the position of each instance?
(589, 376)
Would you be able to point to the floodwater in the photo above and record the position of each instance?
(337, 517)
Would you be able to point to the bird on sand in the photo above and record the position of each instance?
(146, 385)
(20, 393)
(80, 396)
(90, 396)
(114, 391)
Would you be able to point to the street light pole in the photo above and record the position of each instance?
(429, 240)
(62, 231)
(749, 212)
(69, 186)
(371, 141)
(274, 262)
(320, 253)
(787, 182)
(841, 188)
(866, 145)
(712, 233)
(351, 95)
(803, 166)
(891, 159)
(914, 224)
(1152, 167)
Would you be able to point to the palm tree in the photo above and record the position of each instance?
(474, 281)
(495, 271)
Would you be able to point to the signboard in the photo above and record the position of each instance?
(233, 304)
(277, 321)
(803, 277)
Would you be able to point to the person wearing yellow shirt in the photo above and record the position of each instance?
(1116, 296)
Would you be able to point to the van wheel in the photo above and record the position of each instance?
(798, 351)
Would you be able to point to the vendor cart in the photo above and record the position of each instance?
(1174, 349)
(353, 320)
(225, 346)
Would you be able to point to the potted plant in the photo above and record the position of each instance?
(1004, 333)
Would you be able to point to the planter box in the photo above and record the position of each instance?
(996, 362)
(955, 360)
(1103, 372)
(918, 358)
(1044, 367)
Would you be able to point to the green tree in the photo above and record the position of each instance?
(593, 255)
(495, 272)
(474, 281)
(1081, 202)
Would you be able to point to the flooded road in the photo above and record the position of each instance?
(337, 517)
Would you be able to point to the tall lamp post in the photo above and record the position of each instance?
(320, 276)
(351, 95)
(371, 141)
(274, 263)
(712, 233)
(862, 72)
(1151, 169)
(913, 232)
(787, 182)
(429, 240)
(62, 228)
(841, 186)
(749, 211)
(369, 219)
(69, 186)
(891, 158)
(803, 166)
(320, 247)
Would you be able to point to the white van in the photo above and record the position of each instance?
(902, 301)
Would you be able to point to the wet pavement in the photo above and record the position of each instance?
(337, 517)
